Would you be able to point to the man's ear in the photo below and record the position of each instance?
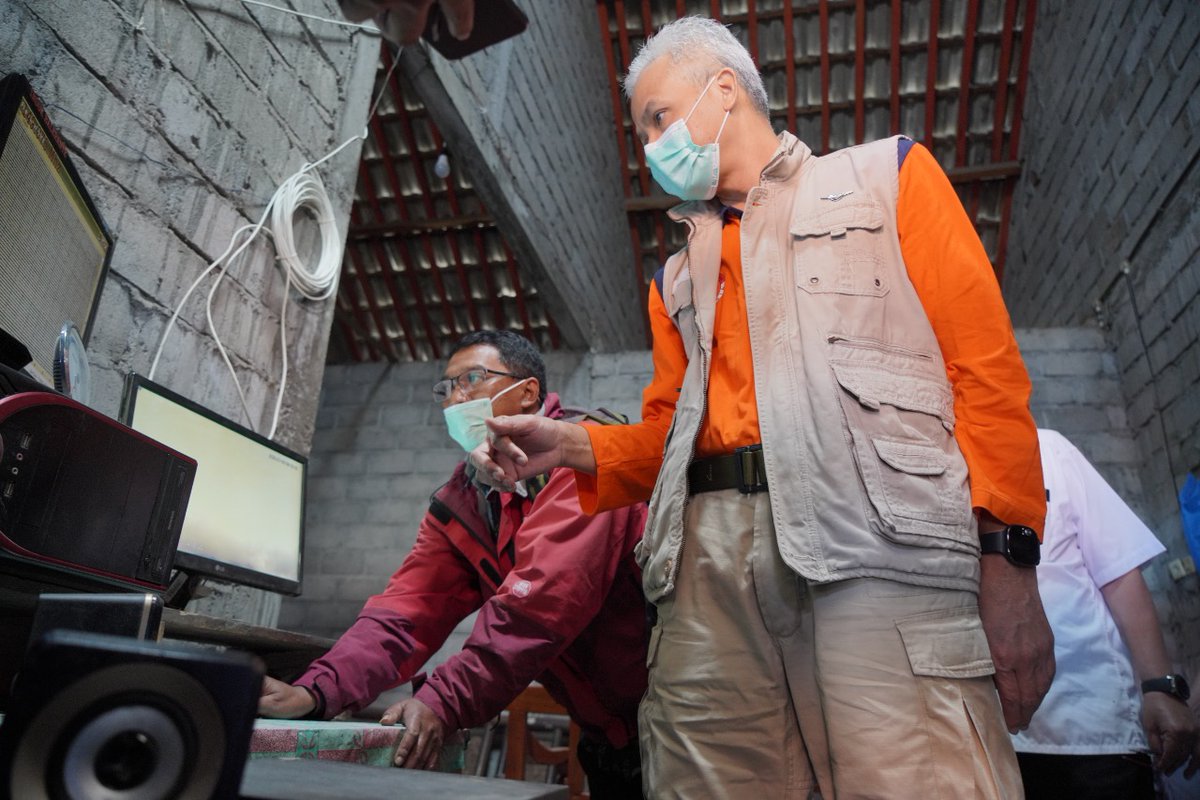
(730, 89)
(529, 396)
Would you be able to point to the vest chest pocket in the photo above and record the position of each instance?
(839, 250)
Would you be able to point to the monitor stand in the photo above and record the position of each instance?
(182, 588)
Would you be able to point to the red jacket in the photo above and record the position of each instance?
(559, 599)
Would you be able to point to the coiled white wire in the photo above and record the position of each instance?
(303, 191)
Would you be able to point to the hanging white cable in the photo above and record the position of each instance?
(303, 190)
(370, 29)
(179, 307)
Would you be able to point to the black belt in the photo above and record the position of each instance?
(743, 469)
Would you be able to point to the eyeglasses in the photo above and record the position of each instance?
(467, 381)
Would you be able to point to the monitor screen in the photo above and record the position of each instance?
(245, 519)
(54, 247)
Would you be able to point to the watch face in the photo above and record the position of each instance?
(1179, 687)
(1023, 545)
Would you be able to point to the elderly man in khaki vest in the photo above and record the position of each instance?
(846, 490)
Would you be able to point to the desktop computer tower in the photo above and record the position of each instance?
(85, 502)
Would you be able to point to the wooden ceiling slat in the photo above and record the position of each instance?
(1006, 43)
(964, 82)
(825, 113)
(789, 46)
(489, 282)
(860, 71)
(515, 277)
(895, 62)
(931, 73)
(417, 162)
(381, 258)
(1014, 139)
(364, 286)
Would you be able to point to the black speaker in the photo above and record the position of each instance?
(97, 716)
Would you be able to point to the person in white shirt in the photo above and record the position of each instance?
(1114, 700)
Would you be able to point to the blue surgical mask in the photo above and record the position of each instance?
(681, 167)
(467, 422)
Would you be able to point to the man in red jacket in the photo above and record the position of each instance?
(558, 594)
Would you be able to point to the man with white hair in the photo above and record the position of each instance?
(837, 605)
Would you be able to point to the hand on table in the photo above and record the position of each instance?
(424, 732)
(284, 701)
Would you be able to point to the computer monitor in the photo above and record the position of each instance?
(245, 519)
(54, 246)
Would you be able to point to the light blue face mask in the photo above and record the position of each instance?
(467, 422)
(681, 167)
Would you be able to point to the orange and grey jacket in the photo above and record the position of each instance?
(881, 355)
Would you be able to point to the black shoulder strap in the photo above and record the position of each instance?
(440, 511)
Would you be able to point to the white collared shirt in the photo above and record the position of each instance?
(1091, 538)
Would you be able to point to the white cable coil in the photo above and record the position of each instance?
(303, 191)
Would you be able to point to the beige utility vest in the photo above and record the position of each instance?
(855, 410)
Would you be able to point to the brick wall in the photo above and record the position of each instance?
(380, 449)
(1106, 230)
(228, 101)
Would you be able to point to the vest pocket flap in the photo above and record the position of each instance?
(911, 456)
(877, 382)
(946, 644)
(840, 217)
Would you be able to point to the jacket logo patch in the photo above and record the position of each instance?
(521, 588)
(835, 197)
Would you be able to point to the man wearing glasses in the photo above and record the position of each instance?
(558, 594)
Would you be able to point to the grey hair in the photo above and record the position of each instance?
(706, 46)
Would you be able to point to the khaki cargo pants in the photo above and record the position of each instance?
(764, 686)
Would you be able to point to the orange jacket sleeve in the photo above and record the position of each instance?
(628, 456)
(958, 290)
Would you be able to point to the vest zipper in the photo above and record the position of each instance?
(875, 344)
(673, 573)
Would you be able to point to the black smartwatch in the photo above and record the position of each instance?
(1174, 685)
(1017, 543)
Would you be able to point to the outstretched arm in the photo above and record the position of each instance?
(395, 633)
(526, 445)
(1170, 727)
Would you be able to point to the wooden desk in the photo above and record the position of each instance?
(286, 653)
(307, 779)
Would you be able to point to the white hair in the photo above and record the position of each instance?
(705, 46)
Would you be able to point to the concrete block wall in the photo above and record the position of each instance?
(231, 102)
(1106, 228)
(182, 119)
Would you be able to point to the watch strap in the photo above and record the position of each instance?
(1174, 685)
(994, 542)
